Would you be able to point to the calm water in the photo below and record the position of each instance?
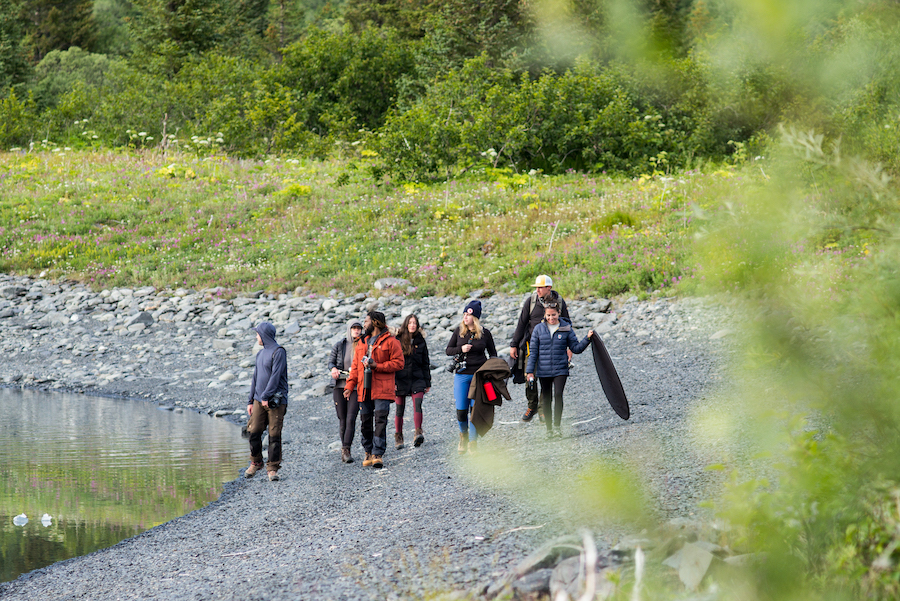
(102, 470)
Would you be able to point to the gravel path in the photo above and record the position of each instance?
(431, 520)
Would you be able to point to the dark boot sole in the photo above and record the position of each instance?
(418, 442)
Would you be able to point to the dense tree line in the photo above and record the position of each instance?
(430, 86)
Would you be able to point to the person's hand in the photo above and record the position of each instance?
(513, 352)
(372, 364)
(529, 377)
(347, 393)
(335, 373)
(569, 353)
(264, 404)
(427, 390)
(590, 333)
(466, 348)
(249, 408)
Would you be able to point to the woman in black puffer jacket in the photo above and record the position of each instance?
(347, 409)
(413, 380)
(474, 344)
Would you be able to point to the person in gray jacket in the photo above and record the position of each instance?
(347, 408)
(551, 341)
(268, 401)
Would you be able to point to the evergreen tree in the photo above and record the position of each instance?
(166, 32)
(457, 29)
(669, 21)
(111, 17)
(58, 25)
(408, 17)
(244, 31)
(286, 23)
(14, 65)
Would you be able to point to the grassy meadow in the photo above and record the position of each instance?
(120, 218)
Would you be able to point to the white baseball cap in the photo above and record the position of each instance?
(541, 281)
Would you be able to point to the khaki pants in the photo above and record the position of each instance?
(261, 418)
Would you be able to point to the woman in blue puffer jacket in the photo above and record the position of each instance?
(550, 362)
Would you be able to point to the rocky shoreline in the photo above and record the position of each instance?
(192, 349)
(333, 523)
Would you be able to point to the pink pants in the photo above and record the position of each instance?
(400, 401)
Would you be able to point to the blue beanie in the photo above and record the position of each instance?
(474, 307)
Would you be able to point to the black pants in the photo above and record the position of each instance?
(346, 413)
(533, 398)
(552, 411)
(373, 434)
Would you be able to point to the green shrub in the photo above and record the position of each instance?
(588, 118)
(614, 219)
(61, 71)
(18, 120)
(347, 81)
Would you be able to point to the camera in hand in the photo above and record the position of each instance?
(458, 363)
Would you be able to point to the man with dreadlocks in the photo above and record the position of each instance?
(376, 358)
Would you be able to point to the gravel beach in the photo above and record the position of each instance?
(431, 521)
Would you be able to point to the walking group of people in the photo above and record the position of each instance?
(374, 368)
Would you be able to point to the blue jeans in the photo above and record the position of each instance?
(464, 403)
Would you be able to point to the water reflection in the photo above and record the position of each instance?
(103, 470)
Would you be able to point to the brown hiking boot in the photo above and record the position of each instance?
(377, 463)
(463, 442)
(274, 477)
(346, 457)
(473, 447)
(367, 462)
(398, 440)
(420, 438)
(254, 467)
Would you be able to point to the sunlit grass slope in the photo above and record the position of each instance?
(111, 218)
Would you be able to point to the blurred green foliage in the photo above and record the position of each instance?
(809, 252)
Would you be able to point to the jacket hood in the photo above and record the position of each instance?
(350, 324)
(266, 332)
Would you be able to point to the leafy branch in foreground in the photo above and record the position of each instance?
(813, 256)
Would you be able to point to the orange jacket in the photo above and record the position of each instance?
(388, 357)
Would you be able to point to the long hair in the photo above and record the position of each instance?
(405, 337)
(476, 328)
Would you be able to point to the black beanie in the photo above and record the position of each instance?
(475, 306)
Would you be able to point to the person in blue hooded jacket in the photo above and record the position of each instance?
(549, 361)
(268, 401)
